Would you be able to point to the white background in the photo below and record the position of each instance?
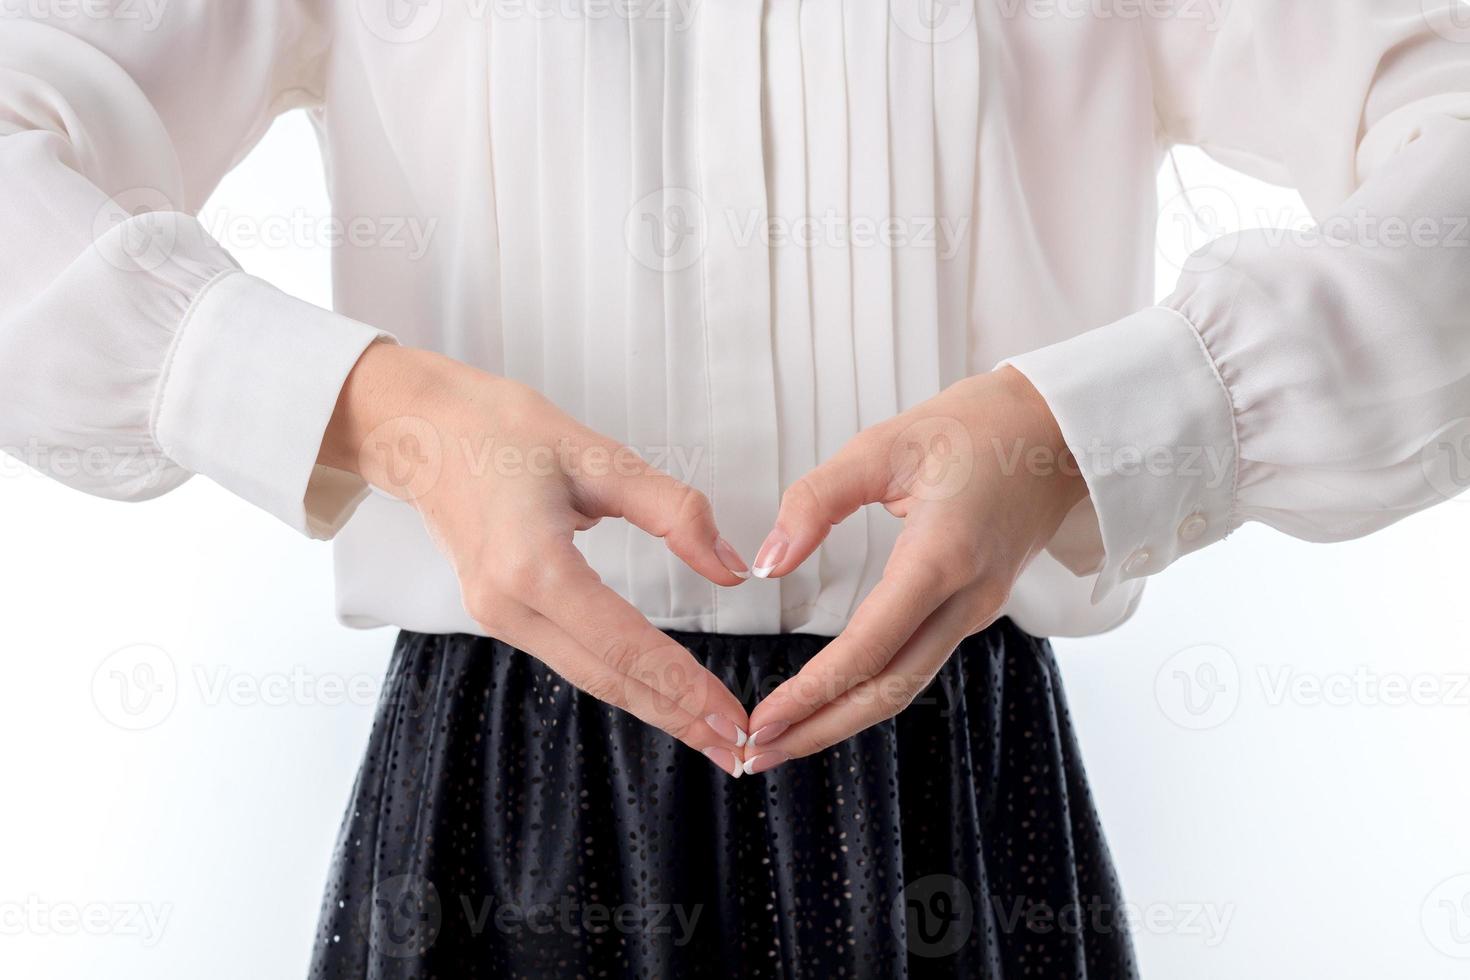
(1263, 828)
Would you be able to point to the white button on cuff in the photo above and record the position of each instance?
(1193, 528)
(1137, 561)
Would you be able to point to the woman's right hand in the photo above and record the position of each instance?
(503, 480)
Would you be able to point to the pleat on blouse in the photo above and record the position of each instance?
(647, 579)
(791, 308)
(607, 313)
(874, 344)
(829, 167)
(731, 227)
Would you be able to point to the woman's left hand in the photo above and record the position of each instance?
(982, 480)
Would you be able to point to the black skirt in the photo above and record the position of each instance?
(505, 825)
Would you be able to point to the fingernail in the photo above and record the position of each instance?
(764, 761)
(731, 559)
(726, 729)
(726, 760)
(771, 553)
(769, 733)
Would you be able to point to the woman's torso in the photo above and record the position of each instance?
(732, 235)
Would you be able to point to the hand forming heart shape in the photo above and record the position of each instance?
(971, 525)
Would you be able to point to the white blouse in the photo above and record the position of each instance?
(734, 233)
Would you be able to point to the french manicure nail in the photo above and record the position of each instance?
(771, 553)
(726, 760)
(731, 559)
(726, 729)
(769, 733)
(764, 761)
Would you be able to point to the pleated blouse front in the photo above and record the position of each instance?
(731, 241)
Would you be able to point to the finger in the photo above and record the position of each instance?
(911, 589)
(882, 697)
(859, 474)
(553, 646)
(568, 593)
(674, 511)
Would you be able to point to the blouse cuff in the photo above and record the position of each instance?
(246, 394)
(1143, 408)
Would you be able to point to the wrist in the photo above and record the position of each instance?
(1063, 473)
(390, 387)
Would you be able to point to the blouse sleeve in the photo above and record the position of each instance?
(133, 350)
(1318, 383)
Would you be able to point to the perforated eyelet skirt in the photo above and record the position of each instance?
(505, 825)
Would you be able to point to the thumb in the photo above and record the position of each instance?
(859, 474)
